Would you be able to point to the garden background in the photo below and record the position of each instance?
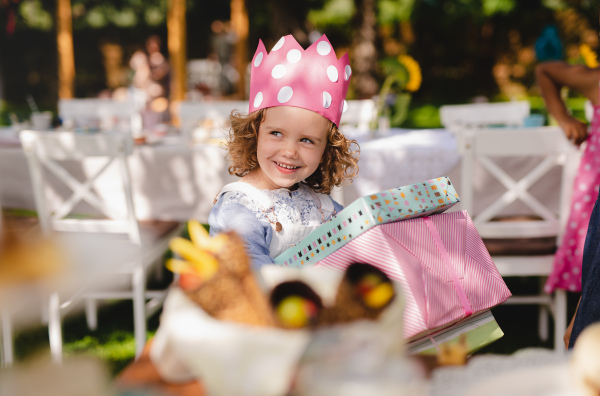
(467, 49)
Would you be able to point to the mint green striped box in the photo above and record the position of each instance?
(415, 200)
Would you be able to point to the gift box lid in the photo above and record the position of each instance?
(396, 204)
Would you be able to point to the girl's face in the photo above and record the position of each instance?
(291, 143)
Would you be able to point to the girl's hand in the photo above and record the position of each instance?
(575, 130)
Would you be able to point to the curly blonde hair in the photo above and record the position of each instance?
(339, 165)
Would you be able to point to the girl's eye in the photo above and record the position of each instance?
(307, 140)
(275, 133)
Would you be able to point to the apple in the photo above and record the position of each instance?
(295, 311)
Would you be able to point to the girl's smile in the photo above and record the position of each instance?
(291, 143)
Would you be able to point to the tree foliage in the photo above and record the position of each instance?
(466, 48)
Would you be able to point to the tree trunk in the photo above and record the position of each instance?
(176, 31)
(288, 18)
(64, 41)
(364, 52)
(239, 21)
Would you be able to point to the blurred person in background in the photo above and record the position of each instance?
(150, 80)
(159, 68)
(223, 40)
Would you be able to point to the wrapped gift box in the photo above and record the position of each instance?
(441, 263)
(478, 331)
(415, 200)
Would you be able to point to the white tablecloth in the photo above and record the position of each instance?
(174, 180)
(170, 181)
(403, 157)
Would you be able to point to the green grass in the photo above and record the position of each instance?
(112, 341)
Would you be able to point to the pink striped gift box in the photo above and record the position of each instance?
(445, 270)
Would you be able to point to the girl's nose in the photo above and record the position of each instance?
(290, 150)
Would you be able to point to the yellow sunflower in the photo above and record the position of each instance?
(589, 56)
(414, 72)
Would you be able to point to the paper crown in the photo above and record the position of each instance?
(313, 79)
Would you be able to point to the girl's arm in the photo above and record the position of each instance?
(238, 218)
(551, 77)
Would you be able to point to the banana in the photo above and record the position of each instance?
(198, 234)
(204, 263)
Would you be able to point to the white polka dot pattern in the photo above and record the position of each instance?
(278, 71)
(258, 99)
(258, 59)
(326, 99)
(292, 76)
(294, 56)
(285, 94)
(279, 44)
(323, 48)
(332, 73)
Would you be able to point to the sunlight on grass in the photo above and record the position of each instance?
(117, 348)
(112, 342)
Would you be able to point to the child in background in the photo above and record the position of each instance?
(551, 77)
(288, 151)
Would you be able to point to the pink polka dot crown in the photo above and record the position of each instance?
(313, 79)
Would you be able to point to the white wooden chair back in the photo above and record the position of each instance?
(456, 117)
(102, 114)
(46, 150)
(359, 114)
(484, 145)
(214, 114)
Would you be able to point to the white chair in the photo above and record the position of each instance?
(215, 114)
(101, 114)
(456, 117)
(113, 253)
(359, 114)
(484, 146)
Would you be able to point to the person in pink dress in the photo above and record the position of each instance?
(551, 77)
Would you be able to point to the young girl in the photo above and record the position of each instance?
(288, 150)
(551, 77)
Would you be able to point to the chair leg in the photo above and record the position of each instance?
(139, 307)
(158, 270)
(7, 340)
(543, 314)
(560, 319)
(543, 322)
(54, 328)
(91, 313)
(44, 311)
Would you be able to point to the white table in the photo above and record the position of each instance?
(400, 158)
(174, 180)
(170, 181)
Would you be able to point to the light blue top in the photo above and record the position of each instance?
(253, 213)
